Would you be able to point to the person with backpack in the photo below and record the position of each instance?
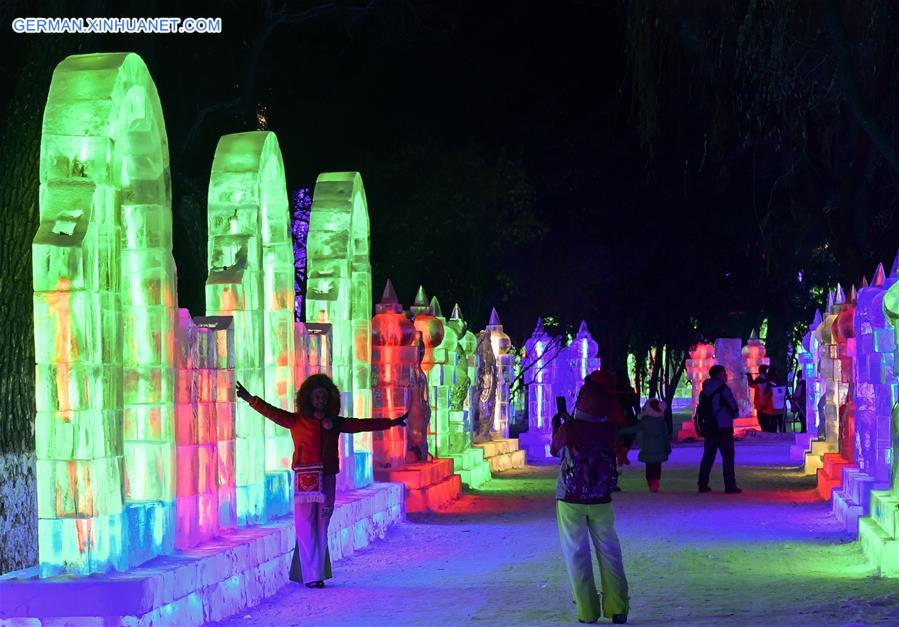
(586, 444)
(655, 440)
(714, 419)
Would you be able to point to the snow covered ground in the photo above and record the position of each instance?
(770, 556)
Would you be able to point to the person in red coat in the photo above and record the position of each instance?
(315, 428)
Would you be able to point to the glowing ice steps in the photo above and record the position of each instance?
(536, 445)
(802, 446)
(503, 454)
(471, 467)
(429, 485)
(210, 582)
(879, 533)
(814, 458)
(830, 475)
(852, 500)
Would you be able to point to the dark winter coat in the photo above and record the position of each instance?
(586, 444)
(724, 405)
(655, 441)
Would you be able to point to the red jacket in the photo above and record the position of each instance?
(313, 444)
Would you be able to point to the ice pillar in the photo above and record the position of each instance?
(251, 279)
(338, 292)
(104, 316)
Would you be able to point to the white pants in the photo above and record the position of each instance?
(311, 561)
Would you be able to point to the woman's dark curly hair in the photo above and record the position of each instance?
(304, 396)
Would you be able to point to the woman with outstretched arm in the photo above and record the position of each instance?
(315, 427)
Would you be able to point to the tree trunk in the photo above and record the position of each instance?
(20, 139)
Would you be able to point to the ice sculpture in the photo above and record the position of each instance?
(874, 393)
(702, 358)
(579, 359)
(540, 351)
(828, 371)
(879, 532)
(468, 345)
(808, 368)
(483, 415)
(419, 408)
(338, 292)
(447, 424)
(501, 345)
(104, 314)
(251, 279)
(753, 356)
(808, 361)
(431, 328)
(204, 428)
(394, 356)
(840, 401)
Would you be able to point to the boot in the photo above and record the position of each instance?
(653, 485)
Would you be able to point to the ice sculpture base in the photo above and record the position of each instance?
(814, 458)
(536, 445)
(745, 424)
(209, 582)
(879, 533)
(429, 485)
(687, 432)
(801, 446)
(471, 467)
(830, 475)
(503, 454)
(853, 499)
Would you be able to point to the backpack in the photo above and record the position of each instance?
(705, 421)
(587, 472)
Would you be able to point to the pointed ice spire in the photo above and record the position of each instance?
(583, 330)
(754, 335)
(879, 277)
(435, 305)
(840, 298)
(831, 297)
(494, 319)
(421, 298)
(457, 313)
(818, 318)
(894, 269)
(853, 294)
(539, 328)
(389, 296)
(864, 283)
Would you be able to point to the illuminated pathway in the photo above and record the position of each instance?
(772, 555)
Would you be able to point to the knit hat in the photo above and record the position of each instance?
(596, 396)
(654, 407)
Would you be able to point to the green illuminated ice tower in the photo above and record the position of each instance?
(250, 259)
(104, 299)
(338, 291)
(447, 425)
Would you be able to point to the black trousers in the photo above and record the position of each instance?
(653, 470)
(722, 440)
